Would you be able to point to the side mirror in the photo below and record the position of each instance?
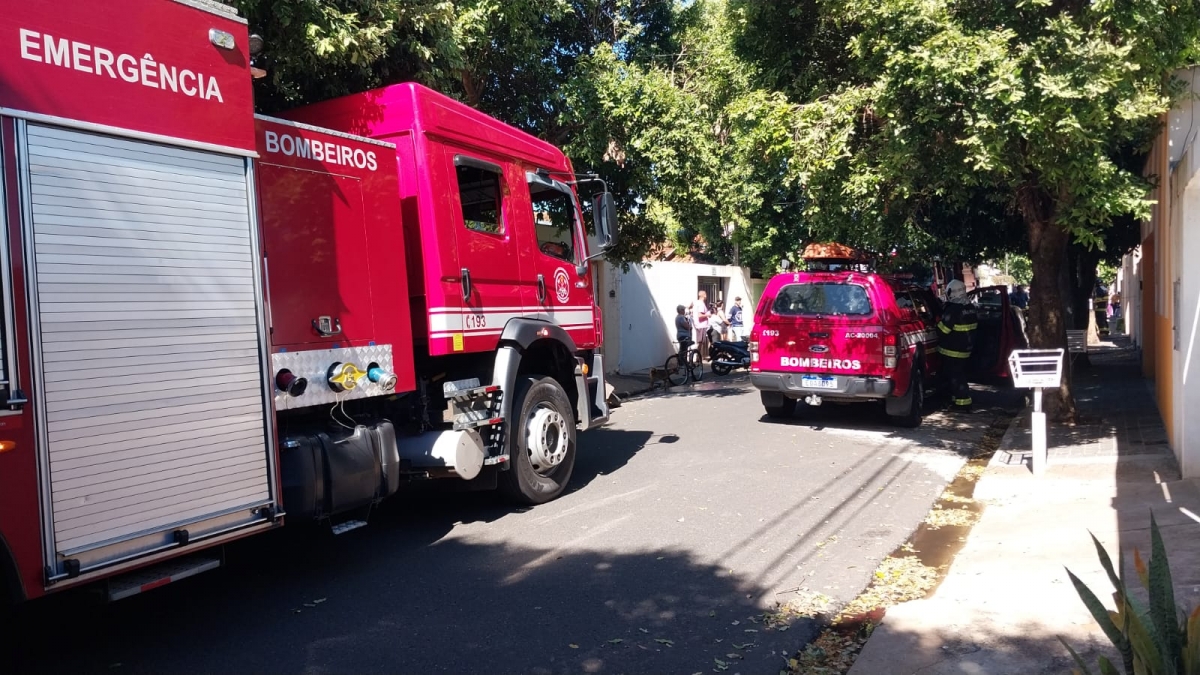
(604, 211)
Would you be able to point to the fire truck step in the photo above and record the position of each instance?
(346, 526)
(162, 574)
(463, 391)
(462, 423)
(458, 387)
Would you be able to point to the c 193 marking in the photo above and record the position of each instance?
(475, 321)
(770, 333)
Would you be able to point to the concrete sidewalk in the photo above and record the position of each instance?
(1007, 596)
(638, 384)
(628, 386)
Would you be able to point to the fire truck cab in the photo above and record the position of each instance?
(213, 323)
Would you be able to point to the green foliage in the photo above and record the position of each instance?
(703, 148)
(1019, 268)
(317, 49)
(1025, 101)
(1107, 271)
(1155, 641)
(930, 126)
(527, 62)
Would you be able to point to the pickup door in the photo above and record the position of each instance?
(1001, 330)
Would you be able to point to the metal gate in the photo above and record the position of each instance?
(145, 312)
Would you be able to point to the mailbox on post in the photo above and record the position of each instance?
(1037, 369)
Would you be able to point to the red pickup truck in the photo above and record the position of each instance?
(850, 336)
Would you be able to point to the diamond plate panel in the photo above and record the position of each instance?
(314, 365)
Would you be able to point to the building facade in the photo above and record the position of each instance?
(638, 306)
(1162, 281)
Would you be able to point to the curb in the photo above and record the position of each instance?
(1009, 442)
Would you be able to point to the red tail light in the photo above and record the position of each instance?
(889, 344)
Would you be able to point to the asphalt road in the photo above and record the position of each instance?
(689, 517)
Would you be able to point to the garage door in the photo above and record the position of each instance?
(150, 350)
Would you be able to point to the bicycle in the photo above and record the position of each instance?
(685, 365)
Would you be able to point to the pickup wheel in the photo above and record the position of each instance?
(541, 443)
(778, 406)
(907, 410)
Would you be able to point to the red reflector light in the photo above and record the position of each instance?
(889, 346)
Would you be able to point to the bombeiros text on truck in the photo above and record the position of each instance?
(215, 322)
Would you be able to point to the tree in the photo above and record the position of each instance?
(318, 49)
(704, 147)
(1024, 104)
(525, 62)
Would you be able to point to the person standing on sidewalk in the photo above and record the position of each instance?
(957, 337)
(700, 313)
(735, 320)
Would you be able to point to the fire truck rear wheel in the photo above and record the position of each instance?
(542, 443)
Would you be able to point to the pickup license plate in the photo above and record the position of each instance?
(816, 382)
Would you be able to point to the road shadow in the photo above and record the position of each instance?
(959, 432)
(1029, 648)
(386, 600)
(604, 451)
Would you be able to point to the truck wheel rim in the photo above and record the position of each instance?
(546, 437)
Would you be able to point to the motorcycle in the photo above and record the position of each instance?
(728, 355)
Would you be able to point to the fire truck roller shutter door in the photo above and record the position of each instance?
(148, 331)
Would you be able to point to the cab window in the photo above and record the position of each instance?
(829, 299)
(479, 193)
(554, 220)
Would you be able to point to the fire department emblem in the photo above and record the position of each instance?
(562, 285)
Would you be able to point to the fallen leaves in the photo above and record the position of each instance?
(941, 517)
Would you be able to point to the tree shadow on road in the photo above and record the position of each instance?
(392, 600)
(967, 647)
(940, 428)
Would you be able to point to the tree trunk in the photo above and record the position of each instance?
(1082, 281)
(1047, 324)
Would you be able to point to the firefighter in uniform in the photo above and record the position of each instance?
(956, 338)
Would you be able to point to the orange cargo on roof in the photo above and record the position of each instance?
(831, 251)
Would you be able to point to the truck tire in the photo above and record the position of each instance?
(777, 405)
(541, 442)
(907, 410)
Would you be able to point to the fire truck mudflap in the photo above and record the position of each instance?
(141, 277)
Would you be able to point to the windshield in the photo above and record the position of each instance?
(835, 299)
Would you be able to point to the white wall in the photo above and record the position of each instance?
(1131, 294)
(1186, 385)
(639, 315)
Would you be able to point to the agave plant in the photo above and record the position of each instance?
(1160, 640)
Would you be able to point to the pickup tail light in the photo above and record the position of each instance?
(889, 350)
(753, 351)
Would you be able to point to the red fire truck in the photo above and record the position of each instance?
(215, 322)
